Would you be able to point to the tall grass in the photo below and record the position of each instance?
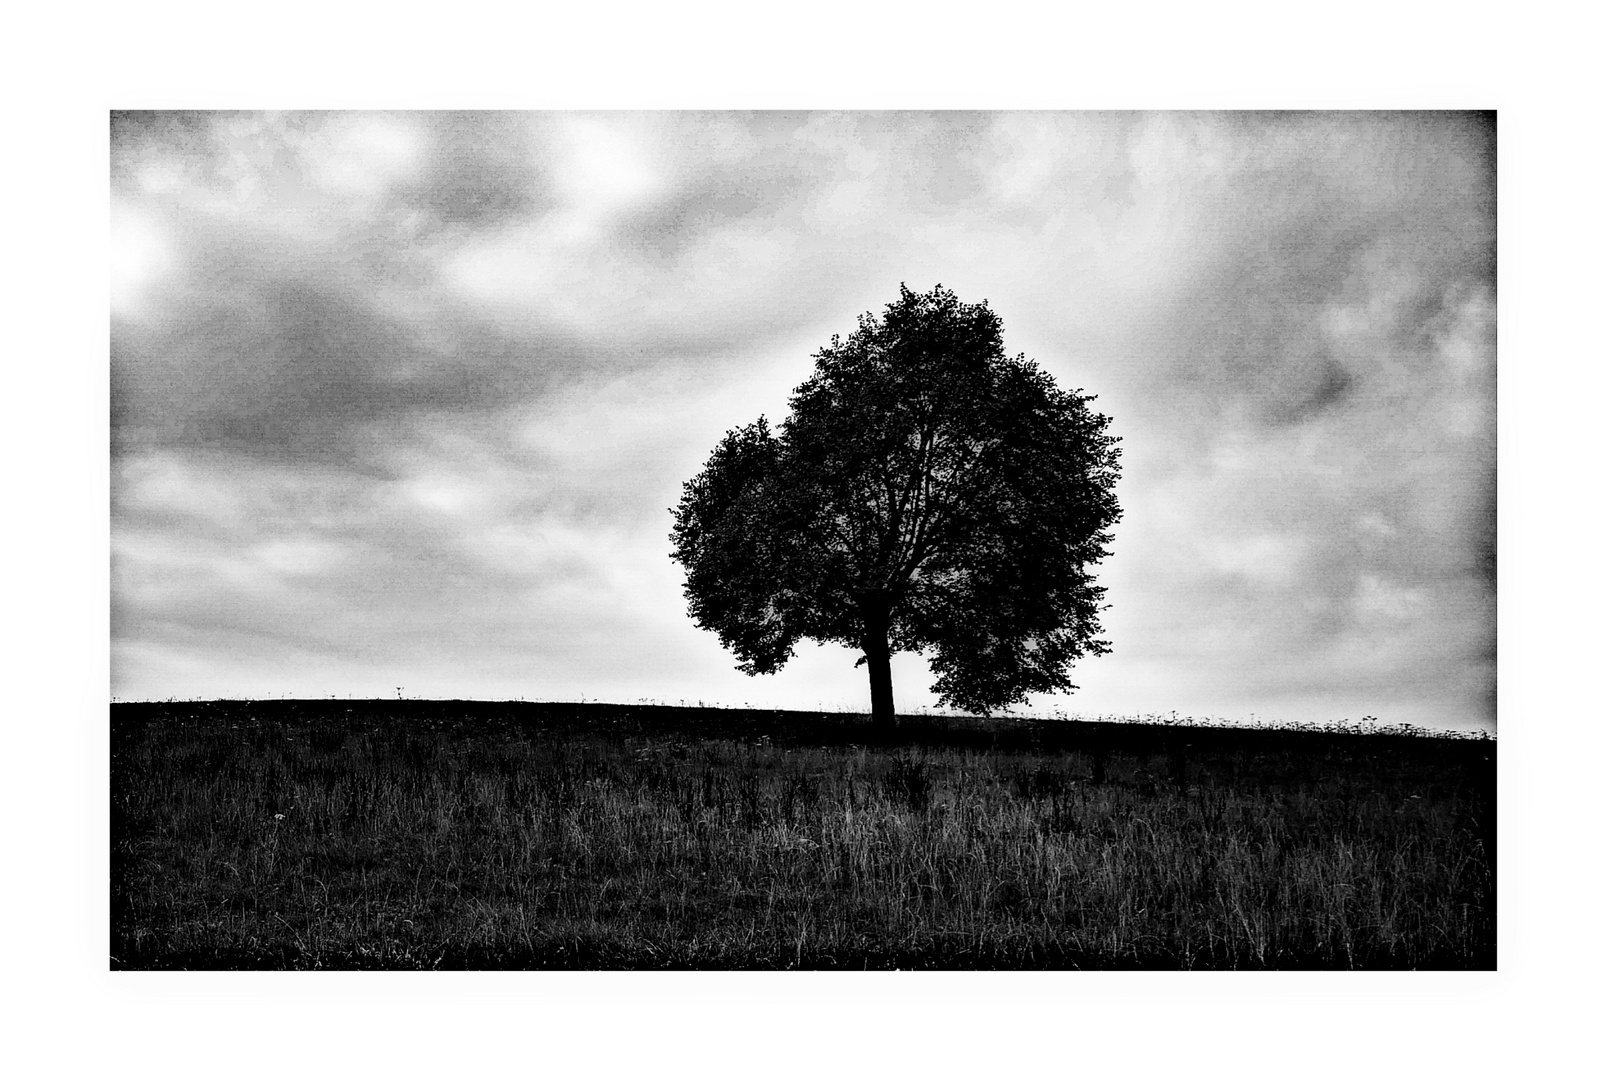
(314, 841)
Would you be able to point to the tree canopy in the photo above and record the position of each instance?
(927, 493)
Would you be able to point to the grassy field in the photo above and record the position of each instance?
(400, 835)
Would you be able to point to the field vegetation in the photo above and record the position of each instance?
(402, 835)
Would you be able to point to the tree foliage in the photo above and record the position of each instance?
(927, 493)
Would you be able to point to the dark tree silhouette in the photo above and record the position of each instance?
(927, 493)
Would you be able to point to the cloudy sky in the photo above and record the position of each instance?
(403, 400)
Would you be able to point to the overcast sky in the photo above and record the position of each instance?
(403, 400)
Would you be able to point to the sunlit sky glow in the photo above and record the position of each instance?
(402, 400)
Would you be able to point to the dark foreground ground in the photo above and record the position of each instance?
(408, 834)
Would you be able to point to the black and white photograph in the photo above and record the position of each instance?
(857, 540)
(806, 540)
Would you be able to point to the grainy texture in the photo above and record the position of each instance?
(442, 835)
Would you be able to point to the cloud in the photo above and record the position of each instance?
(1306, 365)
(404, 393)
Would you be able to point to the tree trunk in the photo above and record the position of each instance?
(878, 658)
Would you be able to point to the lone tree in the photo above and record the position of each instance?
(928, 493)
